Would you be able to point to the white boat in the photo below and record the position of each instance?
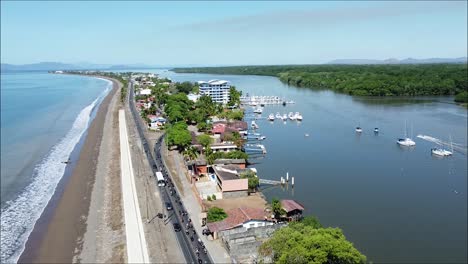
(298, 116)
(278, 116)
(358, 129)
(258, 110)
(443, 152)
(291, 116)
(254, 125)
(271, 117)
(406, 141)
(284, 117)
(376, 130)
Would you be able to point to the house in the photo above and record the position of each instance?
(144, 92)
(193, 97)
(293, 209)
(222, 127)
(218, 90)
(229, 182)
(225, 147)
(200, 166)
(243, 217)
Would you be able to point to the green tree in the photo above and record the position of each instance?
(234, 96)
(205, 140)
(277, 209)
(305, 244)
(462, 97)
(253, 180)
(215, 214)
(191, 152)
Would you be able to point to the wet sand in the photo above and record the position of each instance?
(61, 237)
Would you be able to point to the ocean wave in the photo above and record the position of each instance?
(19, 216)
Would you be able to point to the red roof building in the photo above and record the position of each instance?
(238, 217)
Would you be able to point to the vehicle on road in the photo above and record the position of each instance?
(177, 227)
(160, 179)
(169, 206)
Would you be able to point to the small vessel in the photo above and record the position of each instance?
(262, 105)
(358, 129)
(291, 116)
(442, 152)
(278, 116)
(254, 125)
(406, 141)
(258, 110)
(284, 117)
(284, 103)
(306, 135)
(376, 130)
(271, 117)
(298, 116)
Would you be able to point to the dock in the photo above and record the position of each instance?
(263, 100)
(254, 148)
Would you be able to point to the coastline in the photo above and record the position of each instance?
(58, 234)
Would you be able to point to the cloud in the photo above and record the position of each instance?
(345, 14)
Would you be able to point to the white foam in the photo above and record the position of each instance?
(19, 216)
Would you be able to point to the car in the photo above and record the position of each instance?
(169, 206)
(177, 227)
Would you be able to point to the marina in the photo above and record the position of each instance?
(263, 100)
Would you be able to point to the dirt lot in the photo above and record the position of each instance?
(253, 201)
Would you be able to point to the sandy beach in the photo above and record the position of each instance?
(86, 224)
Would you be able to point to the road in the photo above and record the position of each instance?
(137, 251)
(187, 238)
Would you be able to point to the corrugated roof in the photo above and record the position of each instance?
(291, 205)
(237, 217)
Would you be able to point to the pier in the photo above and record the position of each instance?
(254, 148)
(263, 100)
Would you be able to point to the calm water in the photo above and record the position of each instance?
(394, 204)
(43, 116)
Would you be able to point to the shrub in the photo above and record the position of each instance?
(215, 214)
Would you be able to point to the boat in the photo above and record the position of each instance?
(442, 152)
(284, 117)
(291, 116)
(271, 117)
(278, 116)
(262, 105)
(358, 129)
(376, 130)
(406, 141)
(284, 103)
(298, 116)
(254, 125)
(258, 110)
(306, 134)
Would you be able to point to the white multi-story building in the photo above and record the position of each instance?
(218, 90)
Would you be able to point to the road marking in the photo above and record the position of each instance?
(137, 250)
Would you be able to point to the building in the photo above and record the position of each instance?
(193, 97)
(243, 217)
(293, 209)
(144, 92)
(218, 90)
(229, 182)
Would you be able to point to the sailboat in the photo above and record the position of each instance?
(406, 141)
(443, 152)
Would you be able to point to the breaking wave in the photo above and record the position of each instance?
(19, 216)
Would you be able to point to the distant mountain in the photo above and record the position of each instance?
(55, 66)
(396, 61)
(42, 66)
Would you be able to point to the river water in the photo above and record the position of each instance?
(395, 204)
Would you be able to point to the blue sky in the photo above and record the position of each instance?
(230, 33)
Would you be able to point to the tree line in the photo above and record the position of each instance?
(362, 80)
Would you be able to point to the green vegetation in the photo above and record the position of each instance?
(308, 242)
(213, 197)
(212, 156)
(277, 209)
(186, 87)
(205, 140)
(252, 178)
(362, 80)
(190, 153)
(234, 96)
(178, 135)
(462, 97)
(215, 214)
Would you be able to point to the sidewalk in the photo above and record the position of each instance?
(172, 159)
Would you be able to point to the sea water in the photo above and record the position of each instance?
(43, 117)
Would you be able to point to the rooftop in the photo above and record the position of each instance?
(228, 172)
(214, 82)
(237, 217)
(291, 205)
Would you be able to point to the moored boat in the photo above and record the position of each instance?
(298, 116)
(271, 117)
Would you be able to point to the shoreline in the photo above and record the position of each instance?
(57, 234)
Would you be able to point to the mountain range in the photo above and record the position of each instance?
(54, 66)
(397, 61)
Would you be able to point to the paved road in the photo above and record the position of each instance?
(188, 241)
(137, 251)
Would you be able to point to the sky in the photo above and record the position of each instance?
(230, 33)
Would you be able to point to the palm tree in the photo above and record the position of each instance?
(191, 153)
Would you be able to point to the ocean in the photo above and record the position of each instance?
(43, 118)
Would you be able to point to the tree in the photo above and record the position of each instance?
(191, 152)
(253, 180)
(205, 140)
(215, 214)
(234, 96)
(277, 209)
(462, 97)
